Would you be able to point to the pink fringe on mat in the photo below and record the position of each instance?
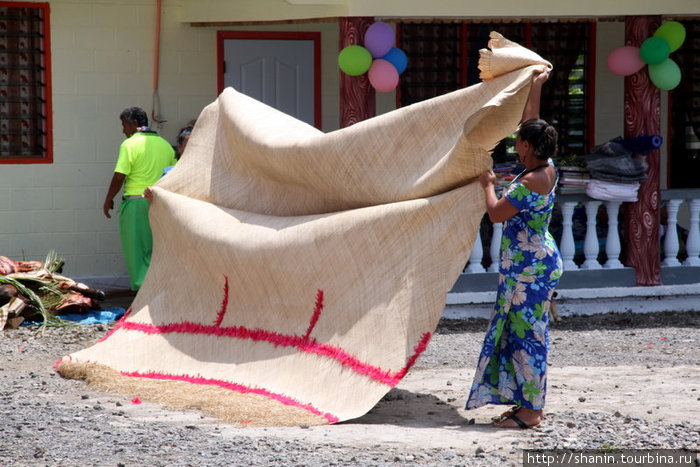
(224, 304)
(282, 340)
(234, 387)
(317, 313)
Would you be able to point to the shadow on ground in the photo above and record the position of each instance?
(403, 408)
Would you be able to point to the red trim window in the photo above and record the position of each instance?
(443, 57)
(683, 141)
(315, 37)
(25, 83)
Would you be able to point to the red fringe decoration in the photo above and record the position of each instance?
(119, 324)
(282, 340)
(417, 350)
(234, 387)
(224, 304)
(302, 343)
(317, 313)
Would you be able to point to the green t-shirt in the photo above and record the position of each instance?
(142, 158)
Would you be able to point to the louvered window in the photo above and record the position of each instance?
(25, 91)
(684, 115)
(443, 57)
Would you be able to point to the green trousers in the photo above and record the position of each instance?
(137, 239)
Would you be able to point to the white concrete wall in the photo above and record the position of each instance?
(103, 55)
(103, 61)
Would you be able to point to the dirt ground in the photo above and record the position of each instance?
(617, 380)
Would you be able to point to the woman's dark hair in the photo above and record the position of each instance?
(135, 114)
(187, 131)
(541, 135)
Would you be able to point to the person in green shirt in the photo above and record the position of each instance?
(142, 157)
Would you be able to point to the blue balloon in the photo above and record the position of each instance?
(397, 58)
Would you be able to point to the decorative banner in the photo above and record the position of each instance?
(379, 58)
(654, 52)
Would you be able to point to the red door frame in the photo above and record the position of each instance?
(274, 35)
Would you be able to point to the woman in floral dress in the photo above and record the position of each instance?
(512, 367)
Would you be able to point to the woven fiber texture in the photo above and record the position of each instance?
(303, 273)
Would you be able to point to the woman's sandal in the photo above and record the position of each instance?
(507, 413)
(510, 414)
(519, 422)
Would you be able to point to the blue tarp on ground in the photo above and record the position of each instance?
(91, 317)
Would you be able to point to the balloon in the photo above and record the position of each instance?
(654, 50)
(383, 76)
(673, 32)
(379, 39)
(398, 58)
(665, 75)
(354, 60)
(625, 61)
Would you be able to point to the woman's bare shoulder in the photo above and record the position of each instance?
(541, 181)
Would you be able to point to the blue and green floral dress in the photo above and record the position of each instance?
(512, 367)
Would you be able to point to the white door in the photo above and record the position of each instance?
(279, 72)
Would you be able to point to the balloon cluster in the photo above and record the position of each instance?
(663, 72)
(382, 62)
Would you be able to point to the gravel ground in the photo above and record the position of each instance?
(48, 420)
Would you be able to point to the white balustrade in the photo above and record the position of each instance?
(476, 256)
(671, 246)
(567, 246)
(612, 241)
(692, 245)
(495, 250)
(591, 247)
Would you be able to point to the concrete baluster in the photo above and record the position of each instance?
(591, 247)
(692, 246)
(495, 249)
(476, 256)
(567, 247)
(671, 245)
(612, 242)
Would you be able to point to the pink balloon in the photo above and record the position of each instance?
(379, 39)
(383, 76)
(625, 61)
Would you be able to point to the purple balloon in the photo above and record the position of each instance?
(379, 39)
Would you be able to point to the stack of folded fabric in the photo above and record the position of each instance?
(612, 191)
(615, 171)
(505, 173)
(572, 180)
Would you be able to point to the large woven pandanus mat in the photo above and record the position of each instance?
(297, 276)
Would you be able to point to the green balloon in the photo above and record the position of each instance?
(654, 50)
(666, 75)
(673, 32)
(354, 60)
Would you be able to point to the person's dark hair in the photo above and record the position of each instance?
(135, 114)
(184, 133)
(541, 135)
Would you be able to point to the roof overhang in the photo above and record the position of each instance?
(275, 11)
